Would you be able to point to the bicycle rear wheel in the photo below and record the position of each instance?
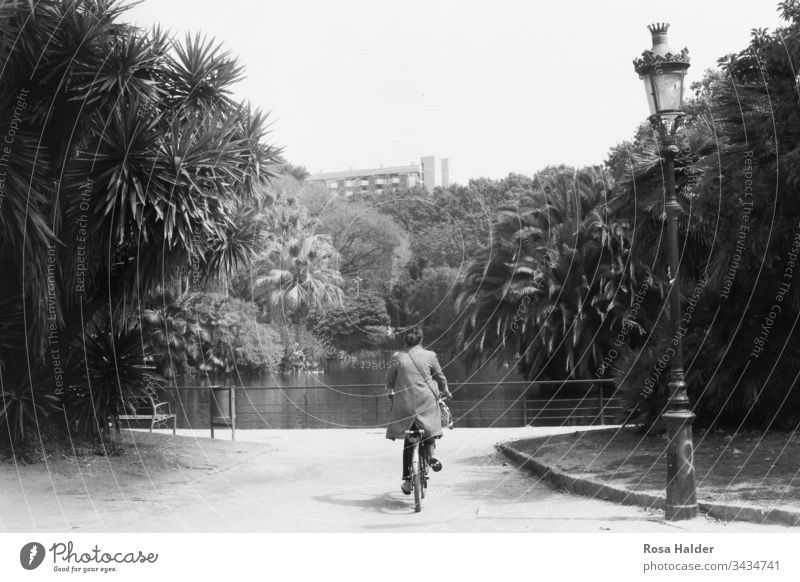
(416, 478)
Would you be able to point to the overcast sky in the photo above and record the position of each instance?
(497, 87)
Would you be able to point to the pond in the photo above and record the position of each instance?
(347, 394)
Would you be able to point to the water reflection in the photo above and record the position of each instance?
(348, 394)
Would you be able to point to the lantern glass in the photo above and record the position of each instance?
(664, 90)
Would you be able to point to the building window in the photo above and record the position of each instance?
(365, 182)
(350, 183)
(332, 185)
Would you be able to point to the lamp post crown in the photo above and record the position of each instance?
(659, 33)
(660, 54)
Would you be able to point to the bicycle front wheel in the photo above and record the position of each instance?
(416, 477)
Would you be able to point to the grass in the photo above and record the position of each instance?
(754, 468)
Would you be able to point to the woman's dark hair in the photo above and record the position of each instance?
(413, 335)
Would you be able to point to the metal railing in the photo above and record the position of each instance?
(573, 410)
(477, 404)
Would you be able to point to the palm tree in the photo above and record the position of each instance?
(174, 337)
(296, 274)
(556, 285)
(130, 161)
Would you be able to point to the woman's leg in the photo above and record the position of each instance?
(430, 446)
(408, 453)
(434, 463)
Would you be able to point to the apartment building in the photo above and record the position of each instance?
(431, 172)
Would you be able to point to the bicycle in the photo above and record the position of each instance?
(419, 465)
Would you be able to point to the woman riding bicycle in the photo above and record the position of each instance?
(415, 399)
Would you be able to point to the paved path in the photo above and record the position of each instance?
(318, 480)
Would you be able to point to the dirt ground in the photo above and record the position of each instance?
(327, 480)
(750, 468)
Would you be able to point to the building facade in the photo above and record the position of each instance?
(435, 172)
(430, 173)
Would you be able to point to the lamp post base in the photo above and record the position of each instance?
(680, 512)
(681, 490)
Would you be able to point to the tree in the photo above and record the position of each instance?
(557, 285)
(313, 196)
(299, 173)
(443, 245)
(449, 224)
(360, 321)
(431, 304)
(411, 208)
(174, 337)
(738, 185)
(368, 243)
(209, 332)
(130, 166)
(620, 157)
(297, 273)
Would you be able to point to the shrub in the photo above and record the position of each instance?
(111, 373)
(27, 399)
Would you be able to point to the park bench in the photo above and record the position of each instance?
(148, 408)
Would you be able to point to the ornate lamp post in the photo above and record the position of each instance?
(663, 73)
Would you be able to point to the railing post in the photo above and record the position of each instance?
(211, 410)
(233, 412)
(602, 414)
(216, 415)
(525, 405)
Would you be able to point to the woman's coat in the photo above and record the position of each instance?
(414, 397)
